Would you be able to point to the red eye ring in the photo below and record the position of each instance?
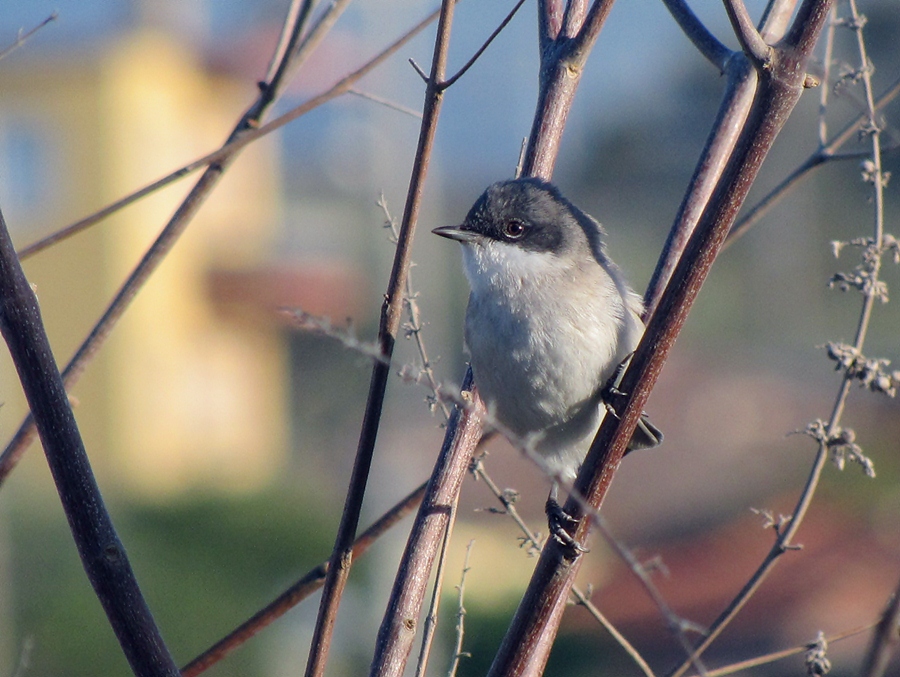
(514, 229)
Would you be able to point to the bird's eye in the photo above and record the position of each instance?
(514, 229)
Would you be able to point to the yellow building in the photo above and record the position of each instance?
(181, 395)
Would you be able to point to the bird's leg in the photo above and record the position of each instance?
(646, 435)
(611, 389)
(557, 521)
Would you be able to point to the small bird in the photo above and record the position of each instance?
(550, 319)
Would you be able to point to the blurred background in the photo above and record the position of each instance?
(222, 438)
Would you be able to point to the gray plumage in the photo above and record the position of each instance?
(549, 320)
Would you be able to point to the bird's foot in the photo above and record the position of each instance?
(611, 390)
(557, 521)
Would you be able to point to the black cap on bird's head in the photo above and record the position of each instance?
(529, 213)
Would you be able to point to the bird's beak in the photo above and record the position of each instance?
(458, 233)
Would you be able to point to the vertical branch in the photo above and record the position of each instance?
(562, 62)
(103, 556)
(102, 553)
(885, 639)
(299, 590)
(401, 619)
(739, 92)
(526, 645)
(391, 313)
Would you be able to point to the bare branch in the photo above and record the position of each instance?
(102, 554)
(460, 614)
(342, 556)
(707, 43)
(751, 41)
(387, 103)
(739, 94)
(827, 153)
(449, 82)
(299, 591)
(25, 433)
(740, 666)
(550, 17)
(885, 640)
(398, 628)
(22, 38)
(779, 90)
(431, 618)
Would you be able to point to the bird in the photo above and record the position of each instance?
(550, 321)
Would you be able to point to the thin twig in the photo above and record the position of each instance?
(780, 655)
(458, 653)
(532, 540)
(296, 593)
(25, 433)
(786, 536)
(341, 87)
(414, 328)
(389, 325)
(387, 103)
(677, 625)
(431, 618)
(22, 38)
(462, 71)
(827, 153)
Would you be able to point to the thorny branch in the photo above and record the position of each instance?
(458, 652)
(831, 437)
(389, 325)
(73, 370)
(781, 82)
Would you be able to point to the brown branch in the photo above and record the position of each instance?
(885, 640)
(303, 588)
(739, 93)
(401, 619)
(391, 313)
(705, 42)
(25, 433)
(827, 153)
(740, 666)
(343, 86)
(751, 41)
(526, 644)
(562, 63)
(449, 81)
(102, 553)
